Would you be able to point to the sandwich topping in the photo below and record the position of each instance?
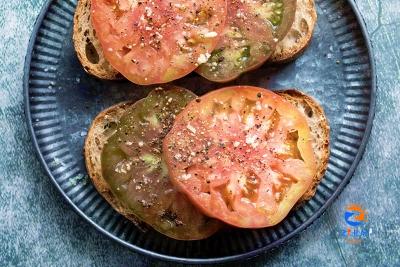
(134, 168)
(242, 155)
(280, 13)
(157, 41)
(251, 33)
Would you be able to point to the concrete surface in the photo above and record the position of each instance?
(38, 228)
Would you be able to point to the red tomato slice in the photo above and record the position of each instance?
(242, 155)
(157, 41)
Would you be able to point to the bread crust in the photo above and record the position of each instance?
(87, 47)
(299, 36)
(320, 132)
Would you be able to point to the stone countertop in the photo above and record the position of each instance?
(38, 228)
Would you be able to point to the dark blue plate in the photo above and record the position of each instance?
(61, 100)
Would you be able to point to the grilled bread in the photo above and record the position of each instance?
(98, 135)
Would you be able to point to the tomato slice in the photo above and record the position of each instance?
(242, 155)
(133, 166)
(246, 43)
(280, 13)
(252, 31)
(157, 41)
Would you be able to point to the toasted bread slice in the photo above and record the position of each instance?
(299, 36)
(320, 130)
(87, 46)
(91, 55)
(97, 136)
(99, 133)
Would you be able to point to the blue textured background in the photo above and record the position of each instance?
(38, 228)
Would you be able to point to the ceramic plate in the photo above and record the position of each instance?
(61, 101)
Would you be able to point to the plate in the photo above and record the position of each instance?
(61, 100)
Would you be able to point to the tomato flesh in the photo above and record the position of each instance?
(134, 168)
(242, 155)
(251, 33)
(157, 41)
(280, 13)
(245, 43)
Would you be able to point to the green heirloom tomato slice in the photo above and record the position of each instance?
(133, 166)
(157, 41)
(246, 42)
(242, 155)
(252, 31)
(280, 13)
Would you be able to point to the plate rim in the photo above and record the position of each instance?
(243, 256)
